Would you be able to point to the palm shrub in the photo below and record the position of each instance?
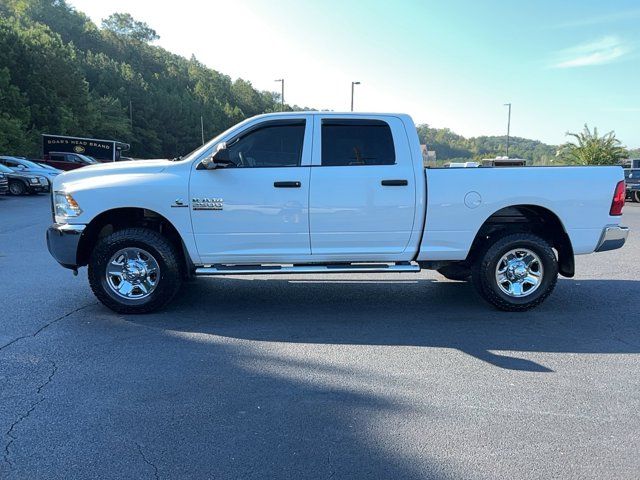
(589, 148)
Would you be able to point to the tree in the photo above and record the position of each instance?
(125, 24)
(591, 149)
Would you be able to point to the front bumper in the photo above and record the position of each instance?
(62, 242)
(612, 237)
(38, 188)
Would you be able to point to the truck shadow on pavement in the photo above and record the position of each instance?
(582, 316)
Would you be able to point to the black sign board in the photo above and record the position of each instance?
(103, 150)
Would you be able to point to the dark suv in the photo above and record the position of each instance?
(632, 181)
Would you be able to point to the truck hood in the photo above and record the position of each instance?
(95, 175)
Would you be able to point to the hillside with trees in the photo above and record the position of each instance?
(450, 146)
(61, 74)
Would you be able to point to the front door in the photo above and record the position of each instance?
(363, 191)
(256, 210)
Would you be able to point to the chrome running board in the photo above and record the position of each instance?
(295, 269)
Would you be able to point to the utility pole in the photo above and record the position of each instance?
(131, 114)
(281, 80)
(202, 128)
(508, 126)
(353, 84)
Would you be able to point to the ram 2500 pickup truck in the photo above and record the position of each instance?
(327, 193)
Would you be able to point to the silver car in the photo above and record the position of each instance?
(24, 165)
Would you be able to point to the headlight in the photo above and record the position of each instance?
(65, 205)
(34, 180)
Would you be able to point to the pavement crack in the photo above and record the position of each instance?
(46, 325)
(12, 433)
(144, 458)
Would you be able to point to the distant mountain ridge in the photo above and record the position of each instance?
(450, 146)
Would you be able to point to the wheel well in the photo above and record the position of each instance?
(121, 218)
(530, 219)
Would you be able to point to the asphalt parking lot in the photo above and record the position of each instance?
(352, 376)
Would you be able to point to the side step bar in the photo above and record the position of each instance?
(294, 269)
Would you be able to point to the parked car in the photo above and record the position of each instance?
(21, 164)
(4, 183)
(49, 167)
(68, 161)
(632, 182)
(22, 182)
(324, 192)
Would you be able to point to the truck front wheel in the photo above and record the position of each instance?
(135, 270)
(516, 272)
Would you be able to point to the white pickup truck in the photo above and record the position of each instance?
(318, 192)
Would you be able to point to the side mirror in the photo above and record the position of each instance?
(21, 167)
(219, 159)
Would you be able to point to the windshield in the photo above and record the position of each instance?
(26, 163)
(208, 147)
(47, 167)
(87, 158)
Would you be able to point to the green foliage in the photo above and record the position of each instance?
(125, 24)
(591, 149)
(61, 74)
(450, 146)
(634, 153)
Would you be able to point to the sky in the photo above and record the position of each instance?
(451, 63)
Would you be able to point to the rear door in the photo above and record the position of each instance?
(363, 194)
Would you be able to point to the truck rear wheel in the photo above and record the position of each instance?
(516, 272)
(135, 270)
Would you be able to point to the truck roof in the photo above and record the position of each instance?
(331, 113)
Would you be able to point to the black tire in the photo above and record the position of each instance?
(484, 272)
(17, 188)
(163, 252)
(456, 271)
(635, 196)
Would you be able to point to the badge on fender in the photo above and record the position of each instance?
(206, 203)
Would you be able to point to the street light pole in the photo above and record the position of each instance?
(281, 80)
(353, 84)
(508, 126)
(202, 128)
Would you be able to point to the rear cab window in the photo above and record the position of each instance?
(354, 142)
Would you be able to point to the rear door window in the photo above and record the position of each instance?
(357, 142)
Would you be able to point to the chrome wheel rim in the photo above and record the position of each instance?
(132, 273)
(519, 272)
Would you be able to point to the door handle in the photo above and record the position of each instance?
(287, 184)
(394, 183)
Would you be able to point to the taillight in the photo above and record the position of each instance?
(618, 199)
